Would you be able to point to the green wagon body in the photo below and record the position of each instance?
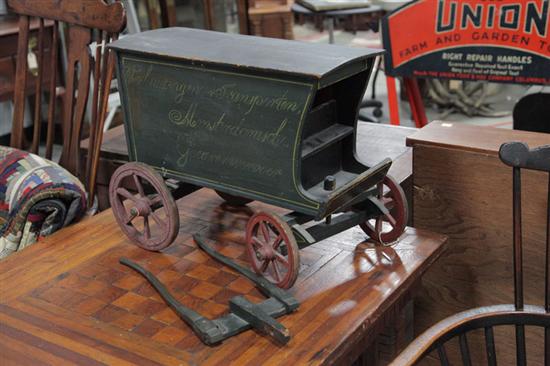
(254, 119)
(259, 118)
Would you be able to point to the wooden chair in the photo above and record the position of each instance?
(518, 315)
(86, 21)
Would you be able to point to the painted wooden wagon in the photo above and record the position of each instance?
(254, 119)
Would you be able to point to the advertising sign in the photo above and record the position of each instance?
(503, 41)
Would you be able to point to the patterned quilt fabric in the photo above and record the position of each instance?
(37, 197)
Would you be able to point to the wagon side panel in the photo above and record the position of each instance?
(222, 129)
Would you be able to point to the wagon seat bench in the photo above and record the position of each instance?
(254, 119)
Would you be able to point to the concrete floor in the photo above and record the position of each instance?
(504, 98)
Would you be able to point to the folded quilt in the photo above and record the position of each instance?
(37, 197)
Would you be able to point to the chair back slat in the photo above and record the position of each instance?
(521, 356)
(442, 353)
(547, 346)
(464, 350)
(490, 347)
(86, 13)
(38, 90)
(517, 247)
(109, 71)
(17, 138)
(547, 267)
(77, 89)
(52, 90)
(100, 42)
(547, 280)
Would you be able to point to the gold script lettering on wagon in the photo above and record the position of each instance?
(188, 118)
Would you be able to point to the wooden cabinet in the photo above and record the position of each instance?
(461, 189)
(268, 18)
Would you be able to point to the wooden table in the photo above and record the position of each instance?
(68, 300)
(374, 143)
(332, 15)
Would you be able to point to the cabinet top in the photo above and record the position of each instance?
(484, 139)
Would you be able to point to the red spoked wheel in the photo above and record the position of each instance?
(146, 213)
(272, 249)
(233, 200)
(388, 228)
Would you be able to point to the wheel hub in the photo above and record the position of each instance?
(141, 208)
(266, 252)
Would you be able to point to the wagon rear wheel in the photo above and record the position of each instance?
(388, 228)
(233, 200)
(272, 249)
(147, 212)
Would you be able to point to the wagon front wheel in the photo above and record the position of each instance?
(143, 206)
(272, 249)
(389, 227)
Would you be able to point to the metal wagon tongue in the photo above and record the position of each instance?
(244, 314)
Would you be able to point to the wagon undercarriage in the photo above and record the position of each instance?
(273, 241)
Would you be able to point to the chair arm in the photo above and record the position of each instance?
(468, 320)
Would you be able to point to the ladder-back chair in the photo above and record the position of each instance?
(86, 21)
(519, 315)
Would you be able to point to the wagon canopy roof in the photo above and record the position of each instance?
(312, 60)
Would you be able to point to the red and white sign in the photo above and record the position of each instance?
(493, 40)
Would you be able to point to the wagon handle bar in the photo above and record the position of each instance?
(269, 289)
(206, 329)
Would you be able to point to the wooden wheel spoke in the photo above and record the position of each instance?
(264, 265)
(265, 231)
(281, 259)
(388, 202)
(146, 227)
(130, 217)
(277, 241)
(126, 194)
(138, 185)
(132, 229)
(276, 271)
(158, 220)
(156, 200)
(257, 243)
(390, 219)
(378, 225)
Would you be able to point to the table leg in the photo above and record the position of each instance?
(330, 25)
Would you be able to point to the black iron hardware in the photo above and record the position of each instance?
(244, 314)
